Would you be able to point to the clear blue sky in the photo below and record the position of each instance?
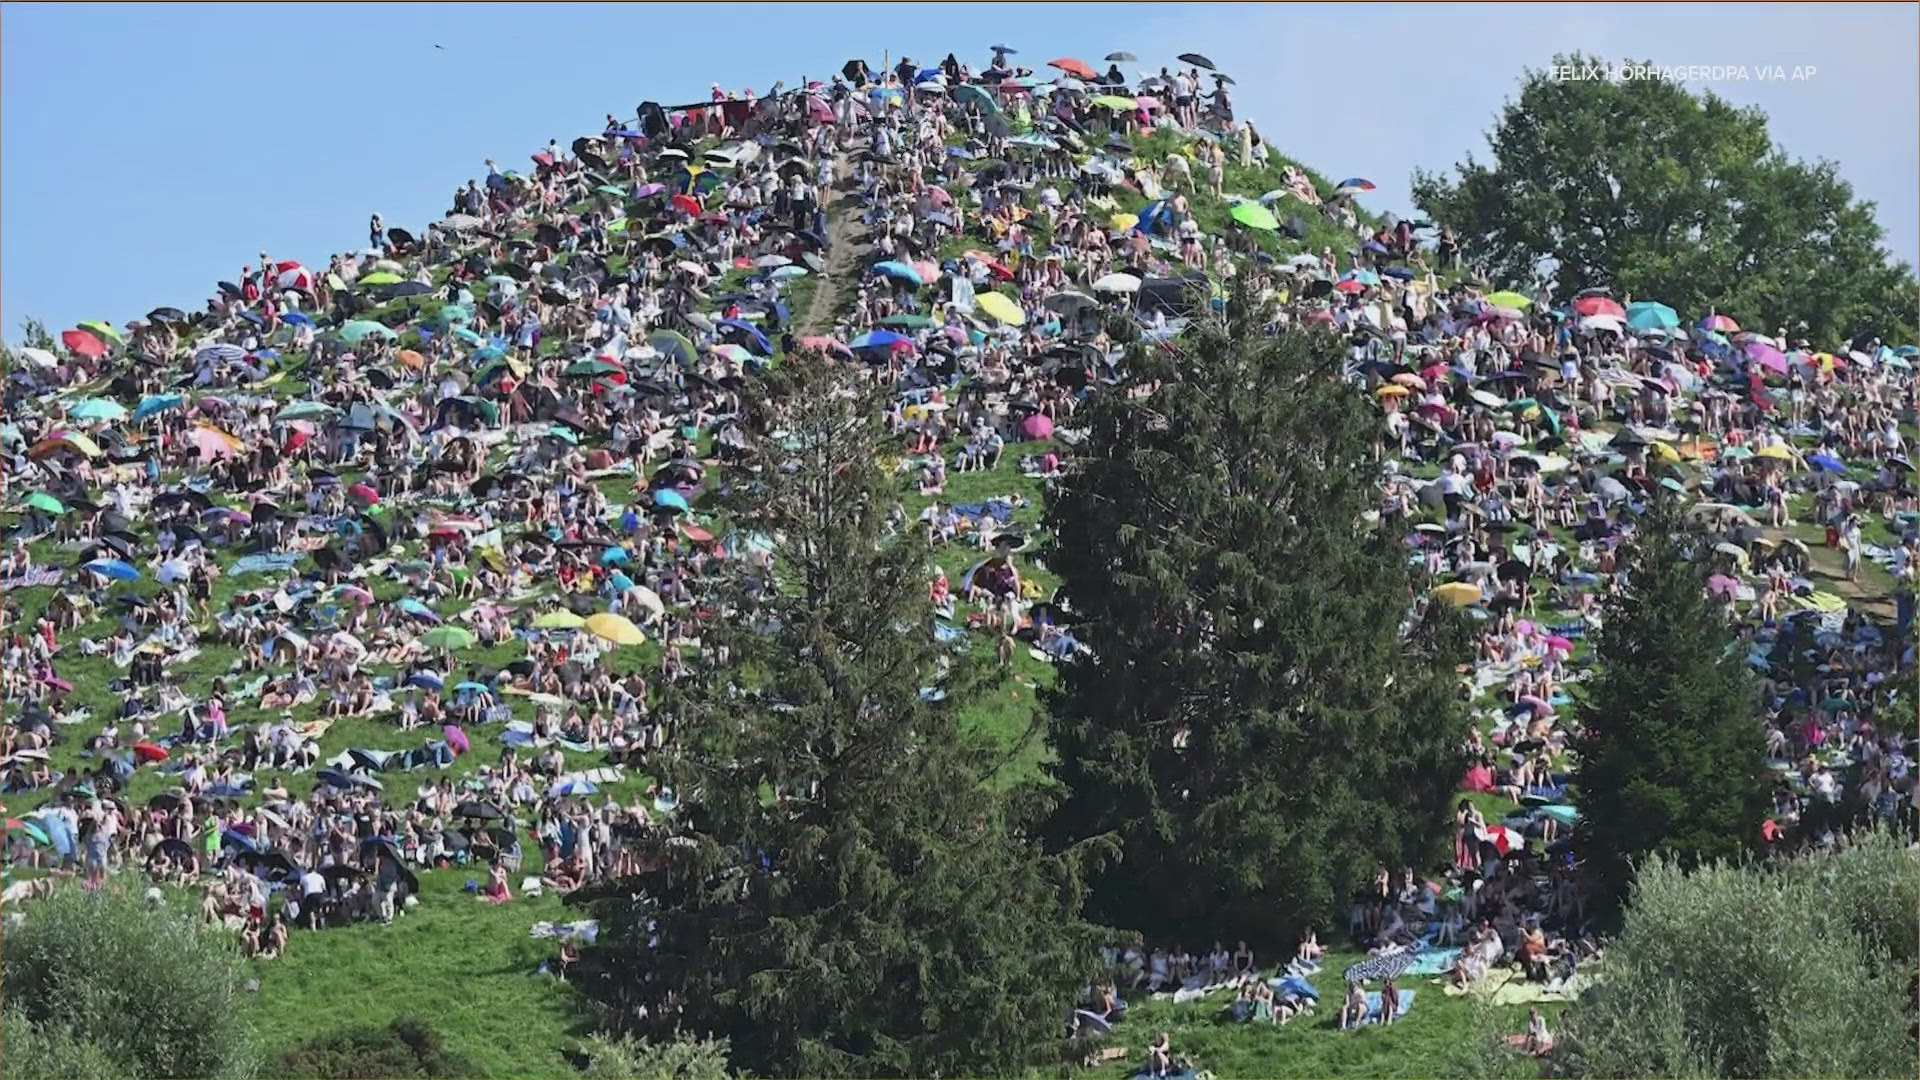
(150, 150)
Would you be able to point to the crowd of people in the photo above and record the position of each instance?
(426, 539)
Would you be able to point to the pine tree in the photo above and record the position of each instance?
(1671, 758)
(847, 898)
(1257, 728)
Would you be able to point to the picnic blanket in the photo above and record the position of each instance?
(1373, 1005)
(255, 564)
(1521, 992)
(30, 580)
(1492, 983)
(1433, 960)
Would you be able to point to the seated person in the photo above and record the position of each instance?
(1353, 1010)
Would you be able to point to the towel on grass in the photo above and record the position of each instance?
(1373, 1005)
(1433, 960)
(1492, 983)
(1519, 992)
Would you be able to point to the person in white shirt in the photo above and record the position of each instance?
(312, 887)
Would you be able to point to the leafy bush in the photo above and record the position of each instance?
(151, 990)
(34, 1052)
(407, 1047)
(638, 1059)
(1800, 967)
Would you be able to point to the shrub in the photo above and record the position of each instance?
(1800, 967)
(152, 990)
(407, 1047)
(628, 1058)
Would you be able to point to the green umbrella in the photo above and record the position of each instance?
(1254, 216)
(618, 224)
(381, 277)
(1565, 815)
(448, 637)
(564, 434)
(30, 829)
(970, 94)
(306, 410)
(907, 322)
(102, 329)
(610, 189)
(354, 331)
(674, 344)
(468, 336)
(456, 313)
(98, 409)
(1113, 101)
(489, 411)
(40, 500)
(591, 367)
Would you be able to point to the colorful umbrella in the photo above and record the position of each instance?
(84, 344)
(97, 409)
(1001, 308)
(448, 637)
(1254, 216)
(1646, 315)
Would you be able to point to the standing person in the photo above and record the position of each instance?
(1389, 1001)
(377, 233)
(386, 883)
(1853, 542)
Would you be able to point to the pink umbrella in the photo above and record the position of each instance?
(365, 492)
(1559, 644)
(1767, 357)
(1146, 101)
(1723, 586)
(939, 196)
(823, 343)
(1539, 707)
(929, 273)
(357, 594)
(457, 739)
(1036, 427)
(818, 109)
(212, 445)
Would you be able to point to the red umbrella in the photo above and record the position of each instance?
(149, 752)
(364, 492)
(687, 203)
(1348, 286)
(297, 277)
(82, 343)
(1504, 839)
(544, 158)
(696, 534)
(287, 264)
(1599, 305)
(1076, 68)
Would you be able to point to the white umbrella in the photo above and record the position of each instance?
(649, 599)
(1120, 283)
(1602, 322)
(40, 356)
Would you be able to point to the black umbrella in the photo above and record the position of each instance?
(1123, 57)
(1195, 59)
(166, 314)
(479, 811)
(1008, 49)
(1225, 80)
(400, 236)
(405, 288)
(173, 848)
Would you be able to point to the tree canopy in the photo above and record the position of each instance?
(1256, 728)
(847, 897)
(1671, 758)
(1645, 187)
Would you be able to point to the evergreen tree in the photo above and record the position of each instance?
(1671, 757)
(846, 897)
(1257, 727)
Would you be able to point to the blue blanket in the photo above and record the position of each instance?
(253, 564)
(1431, 961)
(1373, 1005)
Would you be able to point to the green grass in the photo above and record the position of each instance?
(1419, 1044)
(467, 967)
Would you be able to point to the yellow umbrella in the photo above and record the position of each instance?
(1458, 593)
(1391, 390)
(1778, 452)
(1001, 308)
(1124, 222)
(559, 620)
(1509, 299)
(614, 628)
(106, 331)
(1665, 452)
(381, 277)
(236, 445)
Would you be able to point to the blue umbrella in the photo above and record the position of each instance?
(472, 688)
(876, 339)
(574, 787)
(296, 318)
(895, 269)
(157, 403)
(667, 497)
(1828, 462)
(753, 332)
(238, 839)
(426, 680)
(114, 568)
(418, 610)
(1651, 315)
(614, 555)
(334, 777)
(1400, 272)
